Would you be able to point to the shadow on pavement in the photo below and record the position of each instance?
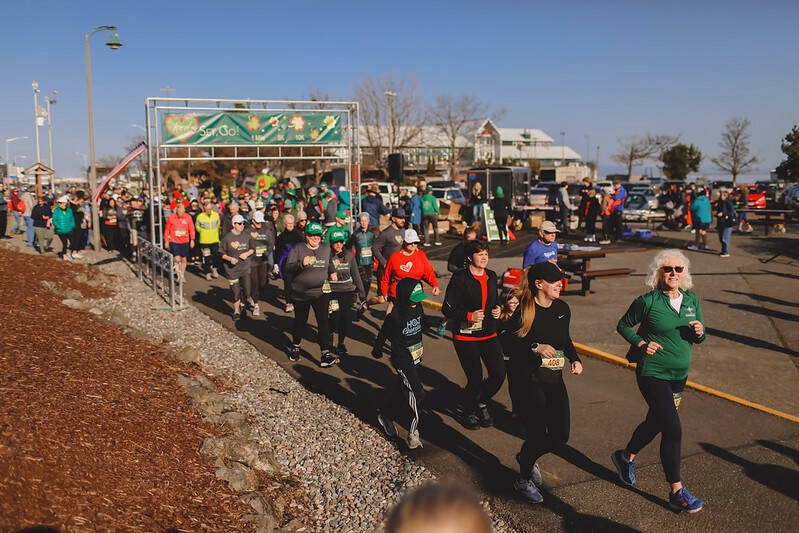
(774, 477)
(576, 522)
(757, 310)
(750, 341)
(762, 298)
(781, 448)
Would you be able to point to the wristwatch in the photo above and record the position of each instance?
(534, 347)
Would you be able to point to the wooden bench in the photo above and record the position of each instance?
(602, 274)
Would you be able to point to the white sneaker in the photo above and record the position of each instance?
(413, 440)
(437, 243)
(67, 257)
(693, 247)
(426, 244)
(724, 255)
(256, 310)
(289, 308)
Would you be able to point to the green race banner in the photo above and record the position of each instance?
(233, 127)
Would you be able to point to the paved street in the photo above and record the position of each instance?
(744, 463)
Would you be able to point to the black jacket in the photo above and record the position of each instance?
(404, 325)
(464, 296)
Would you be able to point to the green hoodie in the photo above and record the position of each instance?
(662, 324)
(430, 204)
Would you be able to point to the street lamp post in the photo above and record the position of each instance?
(8, 159)
(390, 96)
(51, 100)
(113, 43)
(562, 148)
(35, 86)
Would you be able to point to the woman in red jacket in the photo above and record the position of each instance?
(407, 262)
(179, 237)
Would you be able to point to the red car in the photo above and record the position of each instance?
(757, 198)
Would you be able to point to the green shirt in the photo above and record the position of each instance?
(334, 227)
(660, 323)
(430, 205)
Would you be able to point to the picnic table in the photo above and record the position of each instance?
(780, 216)
(579, 263)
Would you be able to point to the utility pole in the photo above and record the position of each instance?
(562, 148)
(50, 100)
(168, 90)
(597, 161)
(390, 96)
(35, 86)
(587, 144)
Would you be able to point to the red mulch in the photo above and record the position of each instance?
(95, 433)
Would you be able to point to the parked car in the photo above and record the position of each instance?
(757, 199)
(538, 196)
(771, 189)
(790, 200)
(450, 194)
(639, 206)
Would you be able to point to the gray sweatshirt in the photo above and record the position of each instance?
(307, 281)
(388, 242)
(346, 268)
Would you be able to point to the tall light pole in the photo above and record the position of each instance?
(562, 148)
(390, 96)
(8, 160)
(113, 43)
(35, 86)
(597, 162)
(51, 100)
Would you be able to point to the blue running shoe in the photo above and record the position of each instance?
(623, 467)
(527, 488)
(683, 501)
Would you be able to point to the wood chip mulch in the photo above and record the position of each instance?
(95, 433)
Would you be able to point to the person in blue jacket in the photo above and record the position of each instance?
(702, 217)
(544, 248)
(373, 205)
(416, 211)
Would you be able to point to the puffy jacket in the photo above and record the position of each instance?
(63, 221)
(700, 208)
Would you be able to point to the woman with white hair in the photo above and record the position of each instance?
(670, 323)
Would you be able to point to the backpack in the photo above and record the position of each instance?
(634, 353)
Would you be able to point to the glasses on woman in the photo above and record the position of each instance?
(677, 269)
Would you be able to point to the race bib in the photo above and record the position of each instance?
(205, 251)
(326, 287)
(260, 250)
(471, 327)
(111, 220)
(416, 352)
(333, 306)
(180, 232)
(554, 363)
(366, 253)
(677, 399)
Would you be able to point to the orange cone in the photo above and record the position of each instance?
(511, 236)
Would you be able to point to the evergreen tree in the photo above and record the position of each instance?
(679, 160)
(788, 170)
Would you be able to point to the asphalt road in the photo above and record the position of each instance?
(744, 463)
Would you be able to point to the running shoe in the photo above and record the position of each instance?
(294, 352)
(256, 311)
(289, 308)
(683, 501)
(387, 425)
(604, 241)
(426, 244)
(623, 467)
(536, 478)
(328, 359)
(485, 417)
(527, 488)
(724, 255)
(208, 277)
(413, 440)
(693, 247)
(438, 243)
(236, 315)
(361, 310)
(471, 420)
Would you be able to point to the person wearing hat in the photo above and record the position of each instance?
(404, 326)
(308, 264)
(179, 237)
(544, 248)
(345, 281)
(64, 223)
(338, 225)
(500, 206)
(539, 350)
(430, 212)
(388, 242)
(316, 205)
(408, 262)
(262, 241)
(362, 241)
(470, 304)
(207, 226)
(236, 250)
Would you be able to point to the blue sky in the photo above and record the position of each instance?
(605, 69)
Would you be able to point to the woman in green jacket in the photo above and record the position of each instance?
(64, 223)
(671, 323)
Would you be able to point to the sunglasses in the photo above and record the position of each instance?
(238, 223)
(677, 269)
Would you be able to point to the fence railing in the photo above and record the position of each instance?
(158, 269)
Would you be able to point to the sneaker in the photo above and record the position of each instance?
(438, 243)
(471, 420)
(413, 440)
(426, 244)
(683, 501)
(693, 247)
(214, 273)
(527, 488)
(536, 478)
(236, 315)
(442, 329)
(604, 241)
(361, 310)
(328, 359)
(623, 467)
(289, 308)
(724, 255)
(256, 311)
(208, 277)
(485, 417)
(294, 352)
(66, 257)
(387, 425)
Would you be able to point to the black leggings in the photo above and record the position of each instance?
(340, 320)
(502, 227)
(663, 397)
(259, 279)
(210, 255)
(407, 389)
(301, 310)
(64, 243)
(366, 277)
(479, 390)
(241, 288)
(546, 417)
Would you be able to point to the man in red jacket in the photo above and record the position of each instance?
(179, 237)
(407, 262)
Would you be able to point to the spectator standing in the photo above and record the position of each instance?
(415, 210)
(476, 198)
(17, 209)
(619, 199)
(3, 211)
(110, 224)
(30, 201)
(565, 206)
(726, 218)
(78, 237)
(64, 223)
(501, 208)
(41, 214)
(589, 209)
(700, 218)
(430, 212)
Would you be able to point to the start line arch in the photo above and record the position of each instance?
(194, 129)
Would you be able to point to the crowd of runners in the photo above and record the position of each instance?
(522, 333)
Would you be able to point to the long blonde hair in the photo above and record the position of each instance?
(526, 295)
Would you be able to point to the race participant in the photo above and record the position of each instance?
(288, 238)
(470, 304)
(308, 264)
(262, 244)
(404, 326)
(671, 322)
(207, 225)
(388, 242)
(179, 237)
(362, 241)
(137, 215)
(408, 262)
(236, 250)
(344, 284)
(509, 304)
(457, 257)
(544, 248)
(538, 353)
(339, 225)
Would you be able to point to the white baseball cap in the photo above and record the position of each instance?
(238, 219)
(411, 236)
(64, 199)
(258, 217)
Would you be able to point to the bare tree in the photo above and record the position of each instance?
(735, 157)
(391, 111)
(634, 151)
(453, 117)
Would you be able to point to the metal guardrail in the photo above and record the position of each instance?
(158, 268)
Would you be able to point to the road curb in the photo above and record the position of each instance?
(582, 349)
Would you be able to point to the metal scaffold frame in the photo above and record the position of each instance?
(347, 151)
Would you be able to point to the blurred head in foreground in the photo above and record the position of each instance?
(438, 508)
